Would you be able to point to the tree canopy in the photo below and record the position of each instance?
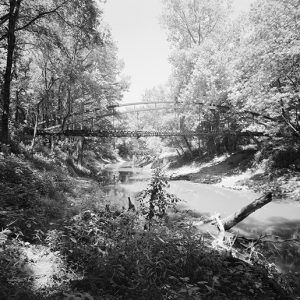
(58, 62)
(245, 66)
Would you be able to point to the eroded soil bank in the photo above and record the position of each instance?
(240, 170)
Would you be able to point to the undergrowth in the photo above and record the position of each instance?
(120, 260)
(32, 192)
(111, 253)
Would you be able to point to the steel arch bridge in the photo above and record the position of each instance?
(75, 128)
(141, 133)
(84, 116)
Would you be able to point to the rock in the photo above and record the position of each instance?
(210, 179)
(180, 177)
(87, 215)
(297, 164)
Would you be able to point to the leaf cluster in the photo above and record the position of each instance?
(155, 200)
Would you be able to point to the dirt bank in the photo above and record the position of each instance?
(240, 170)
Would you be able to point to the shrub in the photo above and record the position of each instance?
(29, 197)
(155, 200)
(122, 261)
(285, 157)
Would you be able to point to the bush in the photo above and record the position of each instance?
(21, 186)
(30, 197)
(18, 183)
(122, 261)
(14, 280)
(285, 157)
(280, 155)
(155, 200)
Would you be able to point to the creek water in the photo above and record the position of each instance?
(278, 219)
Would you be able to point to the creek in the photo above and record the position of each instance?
(278, 219)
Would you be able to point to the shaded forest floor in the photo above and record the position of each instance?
(58, 240)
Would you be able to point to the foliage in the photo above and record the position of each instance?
(14, 279)
(64, 68)
(61, 69)
(245, 66)
(29, 197)
(121, 260)
(155, 200)
(203, 37)
(266, 77)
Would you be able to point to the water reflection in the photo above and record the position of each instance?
(123, 182)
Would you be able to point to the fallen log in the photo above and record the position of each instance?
(239, 216)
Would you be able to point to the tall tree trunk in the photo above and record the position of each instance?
(188, 145)
(83, 141)
(14, 6)
(34, 131)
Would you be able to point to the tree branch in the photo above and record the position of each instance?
(290, 124)
(3, 19)
(184, 20)
(37, 17)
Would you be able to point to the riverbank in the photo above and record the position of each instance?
(240, 171)
(61, 232)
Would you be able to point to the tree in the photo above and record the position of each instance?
(267, 66)
(11, 17)
(39, 22)
(192, 22)
(203, 36)
(16, 20)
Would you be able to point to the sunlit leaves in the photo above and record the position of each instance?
(155, 200)
(65, 59)
(267, 77)
(200, 32)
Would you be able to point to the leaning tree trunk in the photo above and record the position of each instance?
(239, 216)
(11, 44)
(225, 224)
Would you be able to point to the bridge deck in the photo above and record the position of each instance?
(140, 133)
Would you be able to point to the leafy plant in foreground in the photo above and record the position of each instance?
(155, 200)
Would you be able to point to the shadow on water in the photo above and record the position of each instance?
(282, 240)
(277, 226)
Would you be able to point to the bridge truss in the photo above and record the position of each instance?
(78, 122)
(92, 117)
(140, 133)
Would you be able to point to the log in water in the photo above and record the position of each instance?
(239, 216)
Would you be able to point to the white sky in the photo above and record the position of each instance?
(142, 42)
